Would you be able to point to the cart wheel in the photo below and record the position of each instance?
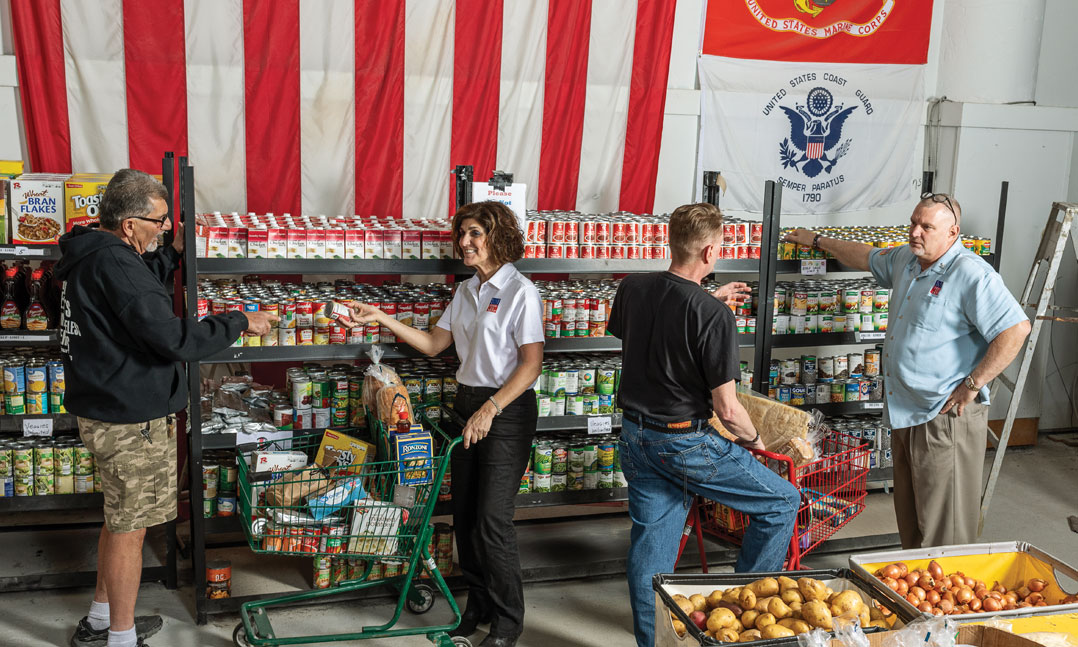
(426, 593)
(461, 641)
(239, 636)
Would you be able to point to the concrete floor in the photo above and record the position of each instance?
(1037, 491)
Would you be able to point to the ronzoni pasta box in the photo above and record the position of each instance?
(37, 208)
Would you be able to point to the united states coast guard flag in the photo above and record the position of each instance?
(827, 104)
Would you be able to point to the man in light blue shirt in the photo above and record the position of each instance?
(953, 327)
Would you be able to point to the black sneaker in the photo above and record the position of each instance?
(86, 636)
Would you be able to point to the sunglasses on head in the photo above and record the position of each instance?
(941, 198)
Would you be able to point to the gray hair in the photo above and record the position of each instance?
(129, 195)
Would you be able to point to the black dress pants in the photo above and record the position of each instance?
(485, 482)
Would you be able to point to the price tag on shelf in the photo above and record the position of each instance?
(873, 406)
(599, 425)
(37, 427)
(20, 338)
(26, 251)
(871, 336)
(813, 266)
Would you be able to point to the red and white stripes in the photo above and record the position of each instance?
(353, 106)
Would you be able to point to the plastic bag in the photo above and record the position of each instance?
(939, 631)
(377, 376)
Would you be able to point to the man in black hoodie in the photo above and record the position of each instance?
(123, 351)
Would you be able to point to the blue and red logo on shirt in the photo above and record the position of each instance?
(493, 307)
(935, 291)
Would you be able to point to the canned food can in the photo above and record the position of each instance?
(838, 391)
(37, 403)
(209, 508)
(84, 483)
(872, 362)
(36, 378)
(557, 405)
(856, 362)
(879, 321)
(218, 579)
(823, 392)
(286, 337)
(606, 403)
(864, 386)
(784, 393)
(842, 367)
(57, 377)
(543, 402)
(826, 370)
(23, 485)
(211, 478)
(14, 404)
(83, 461)
(14, 378)
(604, 450)
(853, 391)
(574, 405)
(797, 394)
(63, 460)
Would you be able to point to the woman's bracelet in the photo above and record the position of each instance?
(749, 442)
(499, 409)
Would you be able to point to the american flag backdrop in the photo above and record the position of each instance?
(352, 106)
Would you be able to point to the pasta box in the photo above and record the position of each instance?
(414, 453)
(37, 208)
(342, 452)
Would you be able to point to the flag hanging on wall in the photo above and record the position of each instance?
(352, 106)
(823, 96)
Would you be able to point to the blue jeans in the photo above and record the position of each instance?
(663, 471)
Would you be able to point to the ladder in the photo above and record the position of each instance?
(1062, 225)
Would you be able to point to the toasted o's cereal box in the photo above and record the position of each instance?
(82, 198)
(342, 451)
(37, 208)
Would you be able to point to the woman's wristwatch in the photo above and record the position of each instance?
(496, 407)
(744, 442)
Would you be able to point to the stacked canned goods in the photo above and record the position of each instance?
(807, 307)
(301, 308)
(567, 461)
(583, 385)
(61, 465)
(623, 235)
(890, 236)
(219, 474)
(871, 430)
(852, 377)
(284, 236)
(32, 385)
(576, 308)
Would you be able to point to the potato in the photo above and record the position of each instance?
(679, 628)
(722, 618)
(737, 626)
(684, 604)
(789, 596)
(732, 595)
(699, 602)
(713, 599)
(778, 608)
(727, 636)
(747, 599)
(847, 601)
(882, 624)
(864, 616)
(875, 614)
(786, 583)
(764, 619)
(761, 604)
(748, 619)
(765, 588)
(776, 631)
(797, 626)
(749, 636)
(816, 613)
(812, 589)
(796, 608)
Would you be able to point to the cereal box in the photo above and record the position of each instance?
(339, 450)
(82, 198)
(414, 451)
(37, 208)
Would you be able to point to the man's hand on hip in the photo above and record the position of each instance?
(960, 397)
(260, 323)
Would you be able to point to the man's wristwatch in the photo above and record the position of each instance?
(816, 241)
(970, 384)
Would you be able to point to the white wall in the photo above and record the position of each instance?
(11, 145)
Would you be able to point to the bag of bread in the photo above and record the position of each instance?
(375, 377)
(295, 487)
(783, 429)
(394, 405)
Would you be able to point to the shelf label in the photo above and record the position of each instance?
(22, 251)
(599, 425)
(11, 338)
(37, 427)
(871, 336)
(872, 406)
(813, 266)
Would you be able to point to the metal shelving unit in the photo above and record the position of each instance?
(845, 408)
(60, 421)
(51, 502)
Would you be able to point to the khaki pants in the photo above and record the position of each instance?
(938, 467)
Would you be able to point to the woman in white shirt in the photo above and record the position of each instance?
(496, 322)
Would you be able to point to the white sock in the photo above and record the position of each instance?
(98, 616)
(123, 638)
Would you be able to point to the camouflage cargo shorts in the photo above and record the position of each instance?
(137, 462)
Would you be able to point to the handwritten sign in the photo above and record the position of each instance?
(813, 267)
(37, 427)
(599, 425)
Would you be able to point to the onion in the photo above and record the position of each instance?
(975, 605)
(891, 571)
(891, 583)
(919, 592)
(935, 570)
(992, 604)
(926, 582)
(964, 595)
(904, 570)
(1036, 585)
(925, 607)
(913, 599)
(903, 588)
(1034, 598)
(933, 597)
(911, 578)
(947, 607)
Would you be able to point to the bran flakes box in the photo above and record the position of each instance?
(335, 244)
(82, 198)
(276, 242)
(391, 243)
(411, 244)
(297, 243)
(316, 243)
(37, 208)
(373, 241)
(413, 452)
(258, 243)
(354, 243)
(431, 244)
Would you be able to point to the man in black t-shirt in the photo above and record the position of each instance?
(679, 363)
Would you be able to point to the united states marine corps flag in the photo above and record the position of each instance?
(823, 96)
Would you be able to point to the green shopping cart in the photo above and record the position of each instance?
(387, 520)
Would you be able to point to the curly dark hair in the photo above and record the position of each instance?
(505, 241)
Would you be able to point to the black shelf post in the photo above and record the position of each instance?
(168, 176)
(463, 189)
(765, 310)
(711, 187)
(1001, 219)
